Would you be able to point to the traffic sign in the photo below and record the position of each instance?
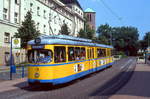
(16, 43)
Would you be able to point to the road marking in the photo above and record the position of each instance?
(126, 64)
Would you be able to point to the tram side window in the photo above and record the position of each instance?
(92, 53)
(83, 54)
(112, 52)
(71, 54)
(101, 53)
(77, 53)
(88, 53)
(108, 52)
(60, 54)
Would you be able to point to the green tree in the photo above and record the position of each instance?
(146, 39)
(82, 34)
(123, 39)
(27, 31)
(89, 32)
(64, 30)
(104, 34)
(126, 39)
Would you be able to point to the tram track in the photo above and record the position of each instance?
(87, 87)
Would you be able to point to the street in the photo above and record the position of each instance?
(97, 85)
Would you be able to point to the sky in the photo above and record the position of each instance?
(134, 13)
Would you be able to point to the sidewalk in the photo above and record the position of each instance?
(138, 86)
(13, 84)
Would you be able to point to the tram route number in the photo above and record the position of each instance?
(78, 67)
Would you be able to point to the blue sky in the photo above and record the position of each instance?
(131, 12)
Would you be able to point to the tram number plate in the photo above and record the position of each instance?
(37, 46)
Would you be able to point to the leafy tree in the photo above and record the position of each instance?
(82, 34)
(146, 39)
(126, 39)
(122, 38)
(89, 32)
(104, 33)
(27, 31)
(103, 40)
(64, 30)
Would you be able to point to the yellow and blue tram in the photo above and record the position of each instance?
(60, 59)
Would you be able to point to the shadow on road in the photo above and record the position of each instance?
(130, 85)
(48, 87)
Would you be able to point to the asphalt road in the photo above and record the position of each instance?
(98, 85)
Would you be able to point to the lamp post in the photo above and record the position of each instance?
(12, 65)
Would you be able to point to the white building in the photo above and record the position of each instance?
(49, 16)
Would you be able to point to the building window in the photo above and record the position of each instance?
(38, 25)
(31, 5)
(16, 17)
(64, 21)
(16, 1)
(90, 17)
(7, 55)
(44, 14)
(50, 17)
(38, 11)
(5, 14)
(44, 28)
(7, 37)
(55, 20)
(71, 54)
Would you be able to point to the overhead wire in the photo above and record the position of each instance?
(111, 11)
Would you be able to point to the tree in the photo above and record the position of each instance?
(82, 34)
(145, 43)
(126, 39)
(27, 31)
(89, 32)
(104, 34)
(64, 30)
(122, 38)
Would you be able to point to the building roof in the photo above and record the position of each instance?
(72, 2)
(67, 40)
(89, 10)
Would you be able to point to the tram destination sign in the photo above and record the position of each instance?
(37, 46)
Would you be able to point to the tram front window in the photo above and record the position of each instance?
(40, 56)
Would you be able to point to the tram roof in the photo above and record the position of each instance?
(67, 40)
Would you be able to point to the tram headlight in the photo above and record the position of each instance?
(36, 75)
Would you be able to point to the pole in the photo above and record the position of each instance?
(11, 59)
(22, 71)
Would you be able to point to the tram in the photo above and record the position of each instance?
(60, 59)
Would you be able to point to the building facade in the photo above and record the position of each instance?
(49, 16)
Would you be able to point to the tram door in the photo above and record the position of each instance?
(91, 59)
